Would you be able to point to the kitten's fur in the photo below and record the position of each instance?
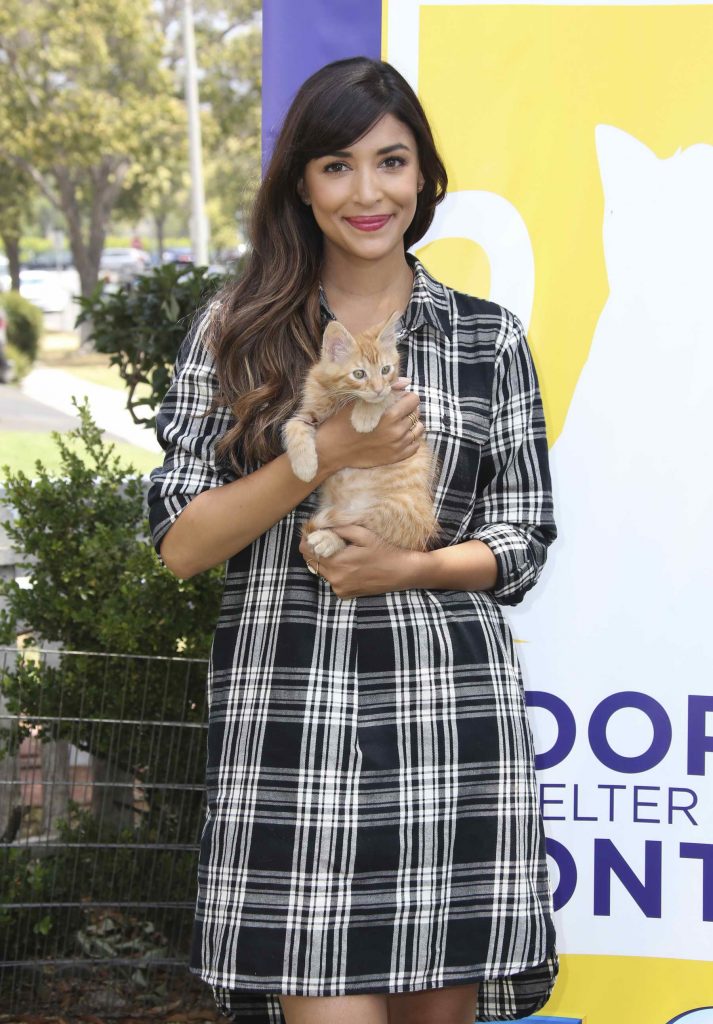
(396, 500)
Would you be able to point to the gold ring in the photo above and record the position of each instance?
(413, 435)
(311, 568)
(414, 418)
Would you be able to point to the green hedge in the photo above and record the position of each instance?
(24, 323)
(141, 326)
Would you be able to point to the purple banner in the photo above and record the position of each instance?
(299, 38)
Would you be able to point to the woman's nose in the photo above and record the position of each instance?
(368, 188)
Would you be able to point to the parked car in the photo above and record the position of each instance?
(52, 259)
(121, 265)
(47, 289)
(178, 254)
(5, 279)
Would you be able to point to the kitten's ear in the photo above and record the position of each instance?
(337, 342)
(387, 333)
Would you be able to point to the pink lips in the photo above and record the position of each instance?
(368, 223)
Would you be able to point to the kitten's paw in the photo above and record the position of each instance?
(298, 440)
(304, 463)
(326, 542)
(365, 417)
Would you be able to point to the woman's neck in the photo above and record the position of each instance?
(365, 292)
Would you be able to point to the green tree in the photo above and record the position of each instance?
(86, 106)
(16, 197)
(232, 90)
(229, 46)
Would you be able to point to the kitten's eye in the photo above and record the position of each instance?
(359, 374)
(386, 369)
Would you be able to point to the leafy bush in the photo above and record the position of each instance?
(21, 362)
(94, 583)
(24, 323)
(97, 863)
(142, 325)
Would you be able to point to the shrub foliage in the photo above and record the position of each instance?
(94, 584)
(142, 325)
(24, 323)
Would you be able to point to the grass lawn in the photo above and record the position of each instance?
(94, 368)
(19, 449)
(60, 352)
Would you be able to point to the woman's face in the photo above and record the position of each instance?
(364, 197)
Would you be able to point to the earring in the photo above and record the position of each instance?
(420, 188)
(307, 202)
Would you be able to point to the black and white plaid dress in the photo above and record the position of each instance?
(373, 822)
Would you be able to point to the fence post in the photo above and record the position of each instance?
(113, 799)
(55, 783)
(10, 793)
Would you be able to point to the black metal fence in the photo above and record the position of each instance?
(102, 760)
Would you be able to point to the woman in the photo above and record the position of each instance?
(373, 850)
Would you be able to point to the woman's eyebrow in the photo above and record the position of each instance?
(380, 152)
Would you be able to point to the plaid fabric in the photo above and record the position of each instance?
(373, 823)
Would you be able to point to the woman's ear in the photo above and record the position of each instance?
(302, 192)
(421, 182)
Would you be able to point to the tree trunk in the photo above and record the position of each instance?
(112, 795)
(159, 223)
(107, 182)
(55, 783)
(12, 251)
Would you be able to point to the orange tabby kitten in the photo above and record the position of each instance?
(395, 501)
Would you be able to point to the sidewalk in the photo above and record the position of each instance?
(55, 388)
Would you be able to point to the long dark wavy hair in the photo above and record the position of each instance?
(265, 330)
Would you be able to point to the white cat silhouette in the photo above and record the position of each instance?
(625, 601)
(494, 223)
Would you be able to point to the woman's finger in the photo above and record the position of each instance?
(408, 402)
(358, 535)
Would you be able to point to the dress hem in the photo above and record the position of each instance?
(472, 976)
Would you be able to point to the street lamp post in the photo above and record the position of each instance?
(199, 225)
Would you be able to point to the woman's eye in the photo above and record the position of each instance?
(385, 370)
(334, 167)
(395, 161)
(358, 374)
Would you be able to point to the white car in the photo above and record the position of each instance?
(45, 289)
(5, 279)
(121, 265)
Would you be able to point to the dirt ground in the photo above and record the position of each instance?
(93, 1001)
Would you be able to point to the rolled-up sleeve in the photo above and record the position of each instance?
(513, 512)
(187, 431)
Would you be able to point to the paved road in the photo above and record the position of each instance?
(22, 409)
(20, 412)
(55, 388)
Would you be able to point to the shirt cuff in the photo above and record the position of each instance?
(163, 512)
(519, 554)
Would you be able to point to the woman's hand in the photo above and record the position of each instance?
(366, 565)
(394, 438)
